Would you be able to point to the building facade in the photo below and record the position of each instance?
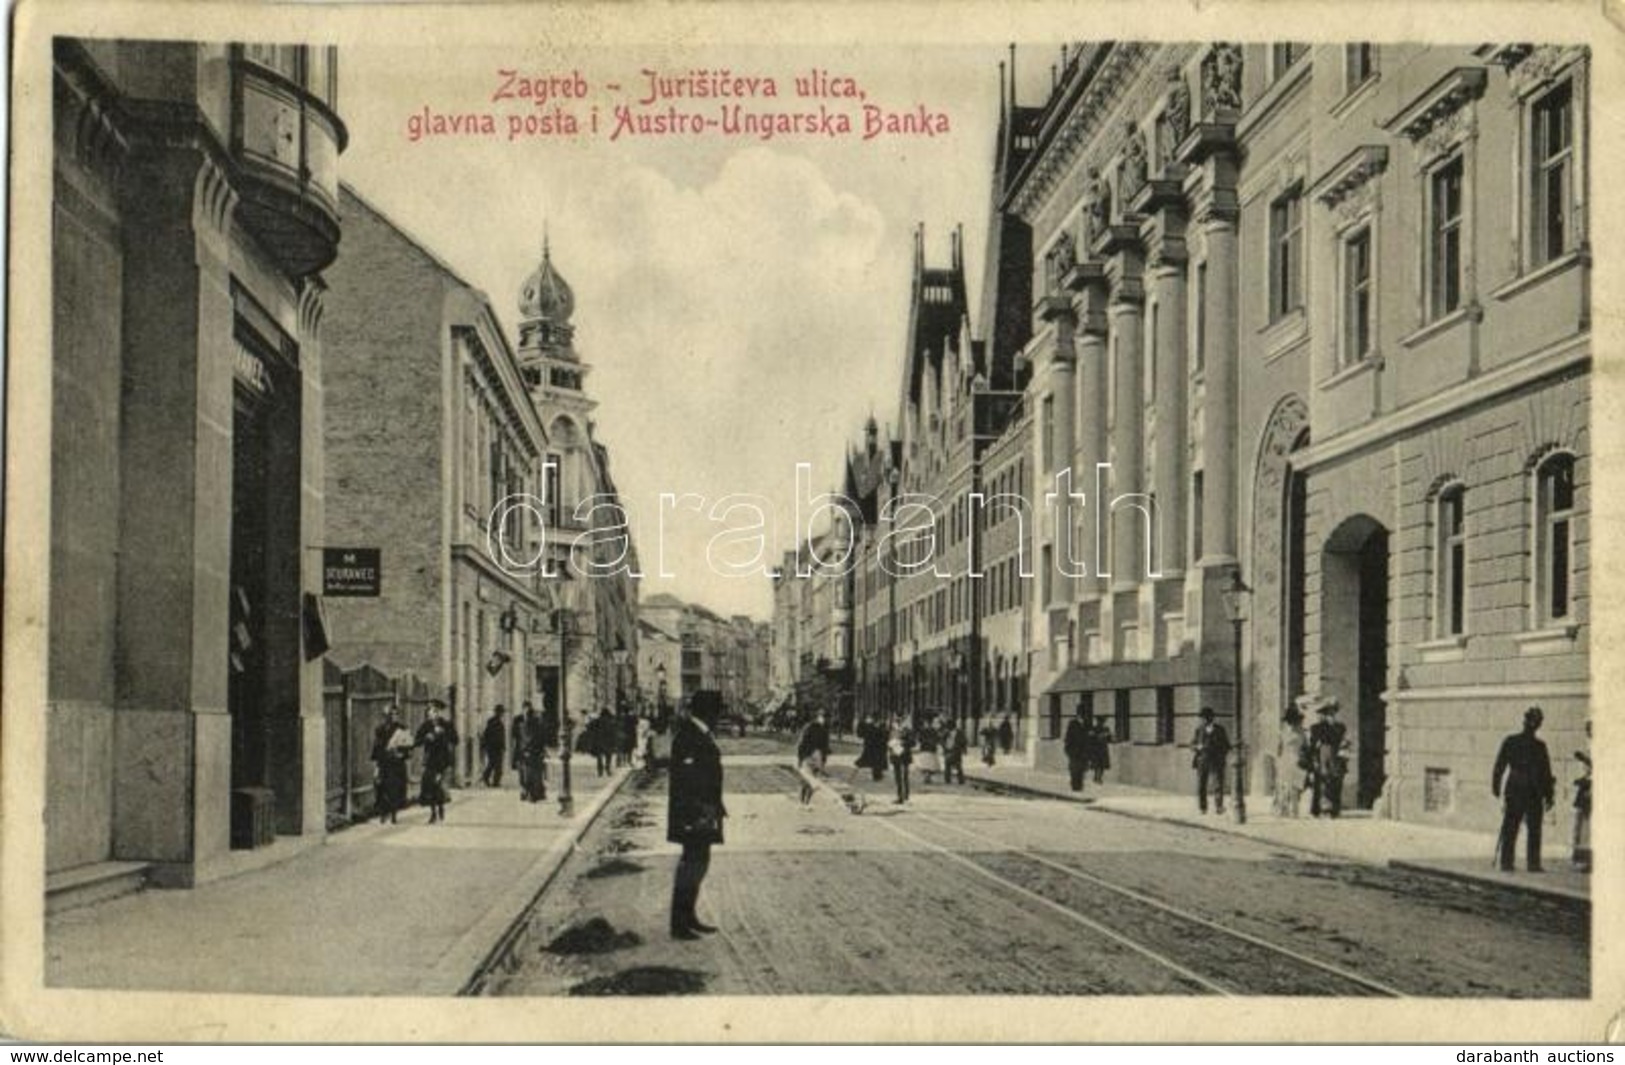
(196, 205)
(1324, 408)
(429, 429)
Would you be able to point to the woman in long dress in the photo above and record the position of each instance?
(391, 747)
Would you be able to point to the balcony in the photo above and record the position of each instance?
(286, 142)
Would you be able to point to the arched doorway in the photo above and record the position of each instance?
(1354, 646)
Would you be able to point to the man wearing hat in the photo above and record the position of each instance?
(1328, 762)
(1528, 789)
(1209, 749)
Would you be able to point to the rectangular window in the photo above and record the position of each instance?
(1286, 255)
(1200, 347)
(1165, 715)
(1055, 717)
(1552, 171)
(1359, 65)
(1196, 516)
(1284, 56)
(1122, 711)
(1555, 504)
(1444, 239)
(1450, 613)
(1357, 296)
(1047, 432)
(1045, 583)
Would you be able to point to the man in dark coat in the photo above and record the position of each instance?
(1078, 745)
(1528, 788)
(533, 756)
(694, 813)
(494, 747)
(1100, 748)
(1328, 760)
(1210, 747)
(872, 734)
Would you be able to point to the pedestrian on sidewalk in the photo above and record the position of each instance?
(990, 743)
(1100, 748)
(694, 814)
(533, 756)
(1523, 775)
(1210, 747)
(629, 739)
(926, 759)
(494, 747)
(812, 751)
(900, 750)
(438, 738)
(1292, 763)
(1581, 854)
(391, 747)
(516, 743)
(873, 755)
(1079, 747)
(1328, 746)
(954, 746)
(1007, 735)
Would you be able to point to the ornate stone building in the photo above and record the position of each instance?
(196, 204)
(1275, 298)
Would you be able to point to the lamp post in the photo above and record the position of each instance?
(563, 621)
(1235, 605)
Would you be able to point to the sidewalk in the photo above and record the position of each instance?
(405, 909)
(1421, 848)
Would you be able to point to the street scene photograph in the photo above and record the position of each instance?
(573, 519)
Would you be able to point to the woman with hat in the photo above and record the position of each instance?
(1292, 762)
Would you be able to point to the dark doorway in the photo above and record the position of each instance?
(246, 642)
(1354, 627)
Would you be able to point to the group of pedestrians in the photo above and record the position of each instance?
(1088, 748)
(393, 746)
(938, 745)
(1313, 759)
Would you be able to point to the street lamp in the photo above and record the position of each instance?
(563, 623)
(1236, 599)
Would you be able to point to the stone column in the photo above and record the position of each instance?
(1089, 423)
(1125, 349)
(1167, 271)
(172, 733)
(1219, 403)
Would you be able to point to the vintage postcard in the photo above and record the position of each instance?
(1052, 522)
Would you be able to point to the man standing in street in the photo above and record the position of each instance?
(1328, 760)
(954, 745)
(694, 814)
(494, 747)
(1077, 744)
(1209, 749)
(1527, 788)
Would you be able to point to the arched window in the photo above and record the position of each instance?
(1554, 538)
(1450, 561)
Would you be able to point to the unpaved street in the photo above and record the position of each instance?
(967, 892)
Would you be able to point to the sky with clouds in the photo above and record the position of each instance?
(742, 302)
